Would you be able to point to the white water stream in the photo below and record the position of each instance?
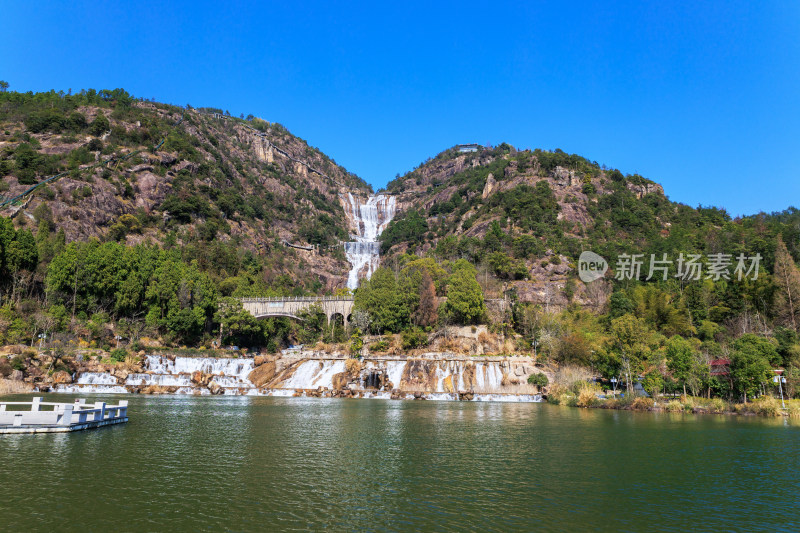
(369, 220)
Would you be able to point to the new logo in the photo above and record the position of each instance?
(591, 266)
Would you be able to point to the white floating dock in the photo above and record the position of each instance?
(44, 417)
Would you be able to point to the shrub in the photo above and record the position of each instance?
(379, 346)
(642, 404)
(414, 338)
(538, 379)
(118, 355)
(717, 405)
(559, 395)
(586, 397)
(674, 406)
(353, 366)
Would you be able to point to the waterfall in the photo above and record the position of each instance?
(314, 373)
(472, 379)
(369, 220)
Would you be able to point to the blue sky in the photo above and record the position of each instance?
(703, 97)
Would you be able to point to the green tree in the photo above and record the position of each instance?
(464, 303)
(680, 359)
(3, 85)
(749, 366)
(99, 125)
(237, 325)
(653, 382)
(356, 343)
(630, 342)
(380, 297)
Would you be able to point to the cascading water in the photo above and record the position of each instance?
(369, 220)
(442, 379)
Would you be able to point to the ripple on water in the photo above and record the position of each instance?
(239, 463)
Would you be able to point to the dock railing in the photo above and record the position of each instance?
(61, 414)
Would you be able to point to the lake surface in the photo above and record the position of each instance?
(296, 464)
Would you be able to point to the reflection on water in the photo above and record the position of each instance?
(269, 464)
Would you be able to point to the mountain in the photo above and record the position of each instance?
(123, 217)
(525, 217)
(195, 178)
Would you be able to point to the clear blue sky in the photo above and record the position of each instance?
(703, 97)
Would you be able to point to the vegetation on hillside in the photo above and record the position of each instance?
(170, 263)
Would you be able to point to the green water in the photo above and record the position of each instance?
(286, 464)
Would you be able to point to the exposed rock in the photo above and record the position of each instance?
(447, 384)
(489, 187)
(340, 380)
(167, 159)
(62, 377)
(215, 388)
(262, 374)
(16, 375)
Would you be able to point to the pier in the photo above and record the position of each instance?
(37, 416)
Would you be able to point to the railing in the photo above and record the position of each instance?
(330, 299)
(62, 414)
(298, 299)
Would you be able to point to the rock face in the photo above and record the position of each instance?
(62, 377)
(489, 187)
(340, 380)
(272, 165)
(262, 374)
(16, 375)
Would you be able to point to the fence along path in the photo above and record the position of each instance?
(29, 417)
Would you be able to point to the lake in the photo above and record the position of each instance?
(297, 464)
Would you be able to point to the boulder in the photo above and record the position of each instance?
(16, 375)
(262, 374)
(62, 377)
(167, 159)
(340, 380)
(215, 388)
(259, 360)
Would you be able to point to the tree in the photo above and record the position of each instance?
(464, 296)
(679, 359)
(787, 279)
(630, 335)
(3, 85)
(99, 125)
(426, 314)
(652, 383)
(235, 323)
(380, 297)
(356, 343)
(749, 366)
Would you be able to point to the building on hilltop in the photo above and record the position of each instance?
(464, 148)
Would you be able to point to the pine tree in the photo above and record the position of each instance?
(425, 314)
(787, 279)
